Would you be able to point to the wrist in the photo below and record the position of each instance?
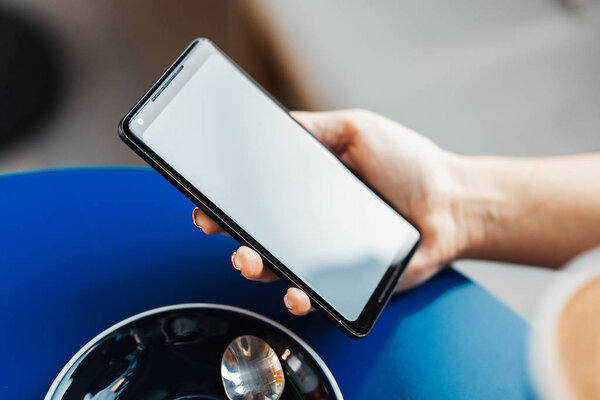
(477, 202)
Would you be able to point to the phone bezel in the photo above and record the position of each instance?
(371, 312)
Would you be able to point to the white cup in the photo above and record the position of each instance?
(551, 377)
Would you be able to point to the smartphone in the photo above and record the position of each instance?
(235, 152)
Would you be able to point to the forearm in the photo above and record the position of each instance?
(532, 211)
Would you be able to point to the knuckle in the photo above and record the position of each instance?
(355, 121)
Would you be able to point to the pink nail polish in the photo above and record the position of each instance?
(233, 260)
(194, 218)
(286, 302)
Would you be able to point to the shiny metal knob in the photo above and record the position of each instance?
(250, 369)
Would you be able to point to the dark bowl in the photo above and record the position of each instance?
(174, 353)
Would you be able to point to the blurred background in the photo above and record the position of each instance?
(509, 77)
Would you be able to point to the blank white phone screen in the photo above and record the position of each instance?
(279, 184)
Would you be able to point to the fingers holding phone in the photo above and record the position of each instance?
(251, 265)
(215, 134)
(204, 222)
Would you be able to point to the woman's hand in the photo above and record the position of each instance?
(536, 211)
(409, 170)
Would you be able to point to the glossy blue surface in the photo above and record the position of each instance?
(84, 249)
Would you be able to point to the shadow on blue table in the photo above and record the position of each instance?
(84, 249)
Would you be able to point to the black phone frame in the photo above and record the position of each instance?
(384, 290)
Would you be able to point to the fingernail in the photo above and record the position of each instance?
(233, 260)
(287, 302)
(194, 213)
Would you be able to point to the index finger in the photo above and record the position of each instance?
(204, 222)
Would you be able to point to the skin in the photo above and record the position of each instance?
(537, 211)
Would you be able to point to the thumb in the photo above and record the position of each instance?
(335, 129)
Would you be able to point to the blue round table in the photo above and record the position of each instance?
(82, 249)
